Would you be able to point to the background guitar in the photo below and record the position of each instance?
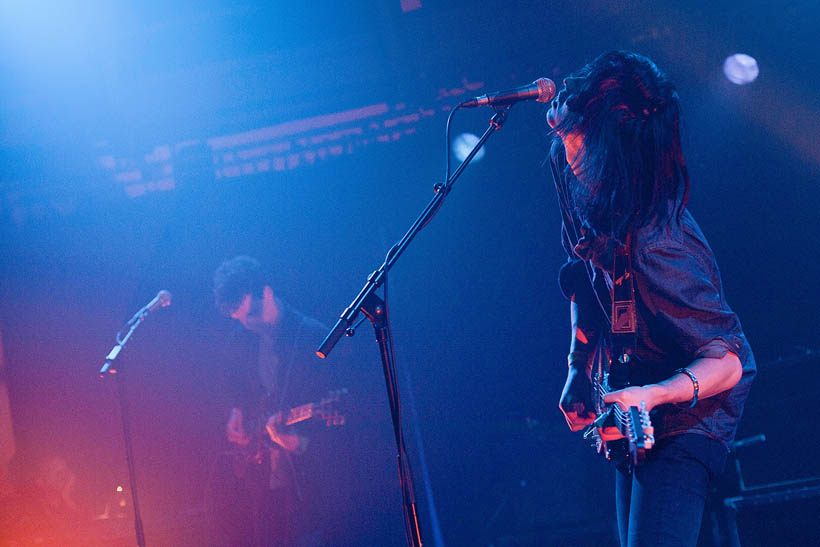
(326, 410)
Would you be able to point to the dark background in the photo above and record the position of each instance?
(480, 327)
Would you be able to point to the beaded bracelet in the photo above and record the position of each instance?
(694, 382)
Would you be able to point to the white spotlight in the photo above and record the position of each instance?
(741, 69)
(463, 144)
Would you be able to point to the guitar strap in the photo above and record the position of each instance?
(624, 317)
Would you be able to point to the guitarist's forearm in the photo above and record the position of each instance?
(583, 333)
(713, 375)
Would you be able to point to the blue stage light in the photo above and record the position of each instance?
(463, 144)
(741, 69)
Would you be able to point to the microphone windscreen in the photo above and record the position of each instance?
(546, 90)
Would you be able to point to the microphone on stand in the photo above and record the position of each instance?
(161, 300)
(541, 90)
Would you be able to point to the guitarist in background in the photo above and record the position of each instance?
(263, 489)
(645, 294)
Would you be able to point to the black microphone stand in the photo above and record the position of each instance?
(376, 310)
(110, 368)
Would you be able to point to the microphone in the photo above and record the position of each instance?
(542, 90)
(161, 300)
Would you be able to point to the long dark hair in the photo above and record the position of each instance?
(631, 165)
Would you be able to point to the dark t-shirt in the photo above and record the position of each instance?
(282, 371)
(682, 313)
(347, 470)
(278, 372)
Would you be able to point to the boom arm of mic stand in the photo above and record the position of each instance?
(376, 278)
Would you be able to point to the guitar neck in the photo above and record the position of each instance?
(321, 410)
(299, 414)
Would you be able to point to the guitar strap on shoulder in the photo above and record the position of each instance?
(624, 316)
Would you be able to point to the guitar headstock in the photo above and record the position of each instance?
(632, 429)
(326, 411)
(332, 419)
(639, 432)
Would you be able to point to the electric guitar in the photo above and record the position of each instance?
(254, 452)
(616, 433)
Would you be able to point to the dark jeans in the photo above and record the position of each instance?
(660, 502)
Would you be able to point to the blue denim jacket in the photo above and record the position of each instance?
(682, 313)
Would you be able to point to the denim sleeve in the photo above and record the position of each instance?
(682, 290)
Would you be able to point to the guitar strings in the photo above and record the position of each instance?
(620, 415)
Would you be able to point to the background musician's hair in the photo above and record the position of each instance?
(234, 279)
